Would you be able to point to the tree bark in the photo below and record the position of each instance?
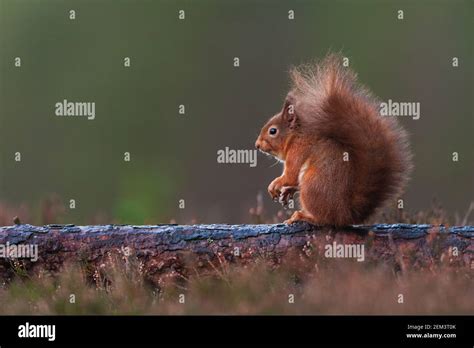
(178, 250)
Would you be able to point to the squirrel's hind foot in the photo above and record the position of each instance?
(300, 215)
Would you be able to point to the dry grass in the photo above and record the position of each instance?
(318, 286)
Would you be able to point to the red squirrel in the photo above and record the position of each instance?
(344, 158)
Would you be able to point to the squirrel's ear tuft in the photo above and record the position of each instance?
(289, 114)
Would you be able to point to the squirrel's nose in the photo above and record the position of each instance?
(257, 145)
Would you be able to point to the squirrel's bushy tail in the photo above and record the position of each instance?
(340, 112)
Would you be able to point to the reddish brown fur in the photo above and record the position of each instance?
(334, 115)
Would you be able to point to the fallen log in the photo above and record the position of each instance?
(177, 250)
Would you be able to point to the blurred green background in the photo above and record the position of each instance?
(190, 62)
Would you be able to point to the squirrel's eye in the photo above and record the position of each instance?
(272, 131)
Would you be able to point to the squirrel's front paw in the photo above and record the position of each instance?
(287, 193)
(274, 189)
